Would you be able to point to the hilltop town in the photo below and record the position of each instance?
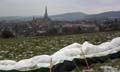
(46, 26)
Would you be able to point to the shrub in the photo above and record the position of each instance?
(6, 33)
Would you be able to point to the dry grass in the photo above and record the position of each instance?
(26, 47)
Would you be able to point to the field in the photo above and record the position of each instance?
(27, 47)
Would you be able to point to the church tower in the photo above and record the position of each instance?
(46, 15)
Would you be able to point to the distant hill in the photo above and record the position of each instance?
(68, 16)
(111, 14)
(15, 18)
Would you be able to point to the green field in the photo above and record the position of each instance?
(27, 47)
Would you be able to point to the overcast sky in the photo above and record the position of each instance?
(36, 7)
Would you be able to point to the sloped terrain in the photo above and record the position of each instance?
(27, 47)
(72, 16)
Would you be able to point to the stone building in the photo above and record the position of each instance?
(40, 21)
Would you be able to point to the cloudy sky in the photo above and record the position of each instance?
(36, 7)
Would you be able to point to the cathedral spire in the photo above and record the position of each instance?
(46, 14)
